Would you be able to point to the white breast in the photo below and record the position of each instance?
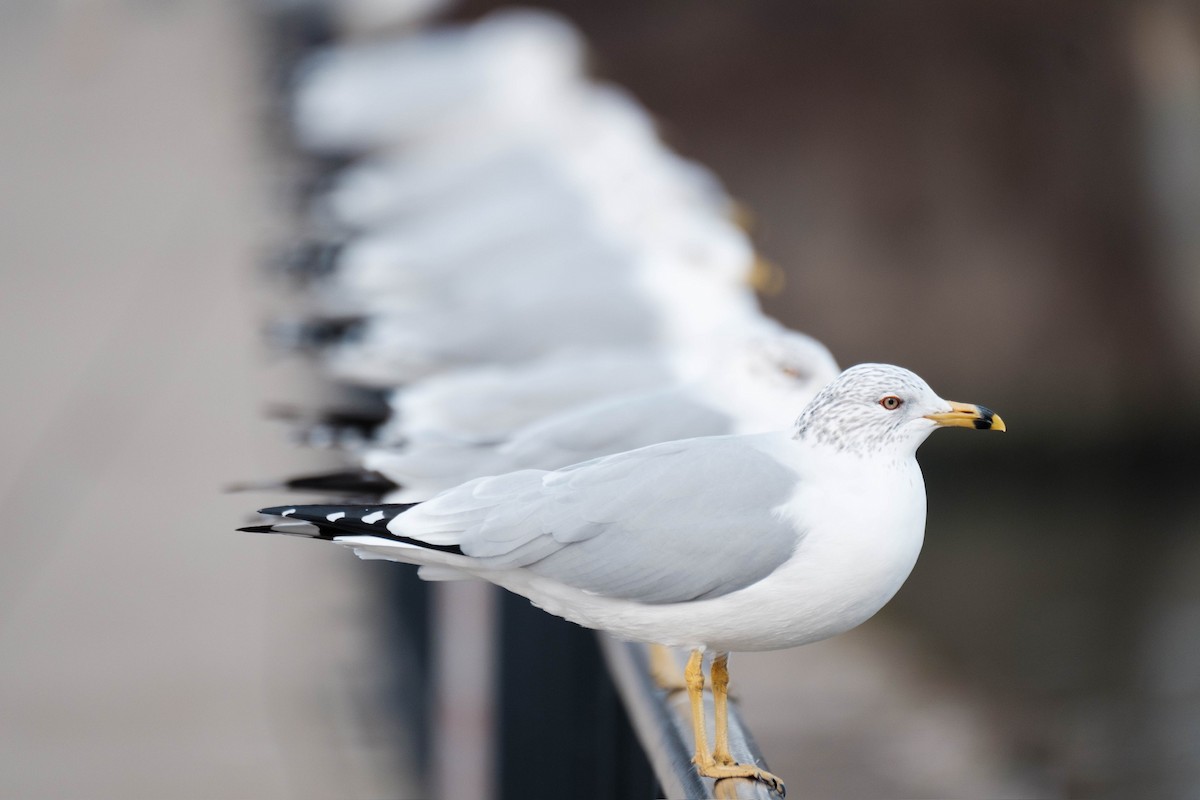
(863, 538)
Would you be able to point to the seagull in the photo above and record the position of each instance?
(599, 142)
(750, 388)
(508, 68)
(490, 403)
(669, 302)
(435, 261)
(715, 544)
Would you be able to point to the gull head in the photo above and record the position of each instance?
(789, 361)
(880, 409)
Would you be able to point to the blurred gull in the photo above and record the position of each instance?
(387, 275)
(596, 140)
(512, 64)
(535, 216)
(753, 386)
(752, 542)
(489, 403)
(694, 288)
(388, 351)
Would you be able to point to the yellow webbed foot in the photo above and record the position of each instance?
(735, 770)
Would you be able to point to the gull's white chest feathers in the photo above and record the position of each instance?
(862, 532)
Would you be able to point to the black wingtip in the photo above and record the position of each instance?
(281, 511)
(316, 334)
(308, 262)
(332, 522)
(363, 417)
(355, 482)
(335, 427)
(347, 519)
(358, 481)
(305, 530)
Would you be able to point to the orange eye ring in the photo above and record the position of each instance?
(891, 402)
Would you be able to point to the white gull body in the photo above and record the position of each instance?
(598, 145)
(663, 301)
(490, 403)
(510, 66)
(392, 272)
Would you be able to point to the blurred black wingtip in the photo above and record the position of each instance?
(355, 482)
(314, 334)
(307, 263)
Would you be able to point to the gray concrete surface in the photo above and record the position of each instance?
(146, 649)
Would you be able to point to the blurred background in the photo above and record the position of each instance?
(1004, 197)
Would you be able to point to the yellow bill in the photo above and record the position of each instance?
(965, 415)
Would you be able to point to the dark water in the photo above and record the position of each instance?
(1064, 580)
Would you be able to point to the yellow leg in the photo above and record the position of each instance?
(722, 764)
(665, 669)
(720, 690)
(694, 675)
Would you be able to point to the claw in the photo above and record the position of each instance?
(723, 771)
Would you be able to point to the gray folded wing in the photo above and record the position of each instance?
(671, 523)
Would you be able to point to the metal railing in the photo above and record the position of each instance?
(575, 713)
(662, 720)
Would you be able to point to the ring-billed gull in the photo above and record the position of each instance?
(666, 306)
(432, 261)
(489, 403)
(754, 387)
(512, 65)
(755, 542)
(598, 141)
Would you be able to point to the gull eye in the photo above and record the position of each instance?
(891, 402)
